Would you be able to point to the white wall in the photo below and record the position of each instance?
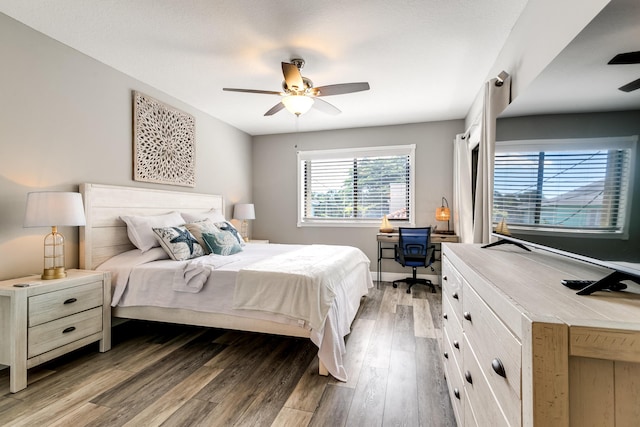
(542, 31)
(65, 119)
(275, 180)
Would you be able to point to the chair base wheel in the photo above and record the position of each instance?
(395, 285)
(409, 290)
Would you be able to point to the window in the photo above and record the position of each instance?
(356, 186)
(579, 186)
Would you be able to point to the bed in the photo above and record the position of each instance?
(141, 290)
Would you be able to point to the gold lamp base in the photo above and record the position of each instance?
(54, 273)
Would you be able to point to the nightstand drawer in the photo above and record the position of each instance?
(54, 305)
(51, 335)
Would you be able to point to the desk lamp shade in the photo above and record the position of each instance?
(53, 209)
(443, 213)
(243, 212)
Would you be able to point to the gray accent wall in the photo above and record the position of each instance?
(275, 180)
(66, 118)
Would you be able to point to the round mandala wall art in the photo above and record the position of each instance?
(164, 150)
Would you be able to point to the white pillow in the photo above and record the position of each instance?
(140, 228)
(214, 215)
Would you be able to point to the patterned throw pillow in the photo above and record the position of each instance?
(222, 243)
(227, 226)
(178, 242)
(197, 228)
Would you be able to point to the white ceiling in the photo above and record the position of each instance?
(579, 78)
(425, 59)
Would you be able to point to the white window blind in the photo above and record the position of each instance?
(356, 186)
(572, 185)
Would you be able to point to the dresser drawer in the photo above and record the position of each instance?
(497, 351)
(484, 405)
(54, 305)
(452, 286)
(454, 379)
(453, 326)
(54, 334)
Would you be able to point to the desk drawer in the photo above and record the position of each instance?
(51, 335)
(54, 305)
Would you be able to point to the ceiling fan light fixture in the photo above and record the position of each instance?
(297, 104)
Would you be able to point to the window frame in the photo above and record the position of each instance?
(556, 145)
(353, 153)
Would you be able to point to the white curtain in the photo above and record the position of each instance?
(462, 198)
(496, 99)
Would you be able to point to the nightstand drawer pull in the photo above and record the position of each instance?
(70, 301)
(446, 355)
(456, 344)
(498, 368)
(456, 393)
(445, 316)
(69, 329)
(467, 316)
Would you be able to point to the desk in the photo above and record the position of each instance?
(387, 243)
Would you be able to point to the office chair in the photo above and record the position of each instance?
(414, 250)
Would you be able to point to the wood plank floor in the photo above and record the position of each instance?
(172, 375)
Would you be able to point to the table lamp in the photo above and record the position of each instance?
(53, 209)
(243, 212)
(443, 213)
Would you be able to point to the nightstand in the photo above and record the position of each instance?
(50, 318)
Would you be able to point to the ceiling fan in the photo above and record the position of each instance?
(627, 58)
(299, 95)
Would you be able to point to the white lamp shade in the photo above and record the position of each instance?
(54, 208)
(244, 211)
(297, 104)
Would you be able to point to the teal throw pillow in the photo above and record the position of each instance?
(222, 243)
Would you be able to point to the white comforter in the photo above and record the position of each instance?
(207, 284)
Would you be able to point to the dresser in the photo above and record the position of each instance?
(518, 348)
(44, 319)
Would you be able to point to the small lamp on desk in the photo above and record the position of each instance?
(243, 212)
(53, 209)
(443, 213)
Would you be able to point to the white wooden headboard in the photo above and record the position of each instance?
(105, 234)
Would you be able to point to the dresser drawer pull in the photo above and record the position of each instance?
(456, 393)
(456, 344)
(498, 368)
(69, 329)
(455, 295)
(467, 316)
(444, 278)
(70, 301)
(446, 355)
(467, 376)
(445, 316)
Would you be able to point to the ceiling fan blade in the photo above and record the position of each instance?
(325, 107)
(266, 92)
(341, 88)
(292, 76)
(630, 87)
(626, 58)
(279, 106)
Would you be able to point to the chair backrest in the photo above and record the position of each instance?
(413, 243)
